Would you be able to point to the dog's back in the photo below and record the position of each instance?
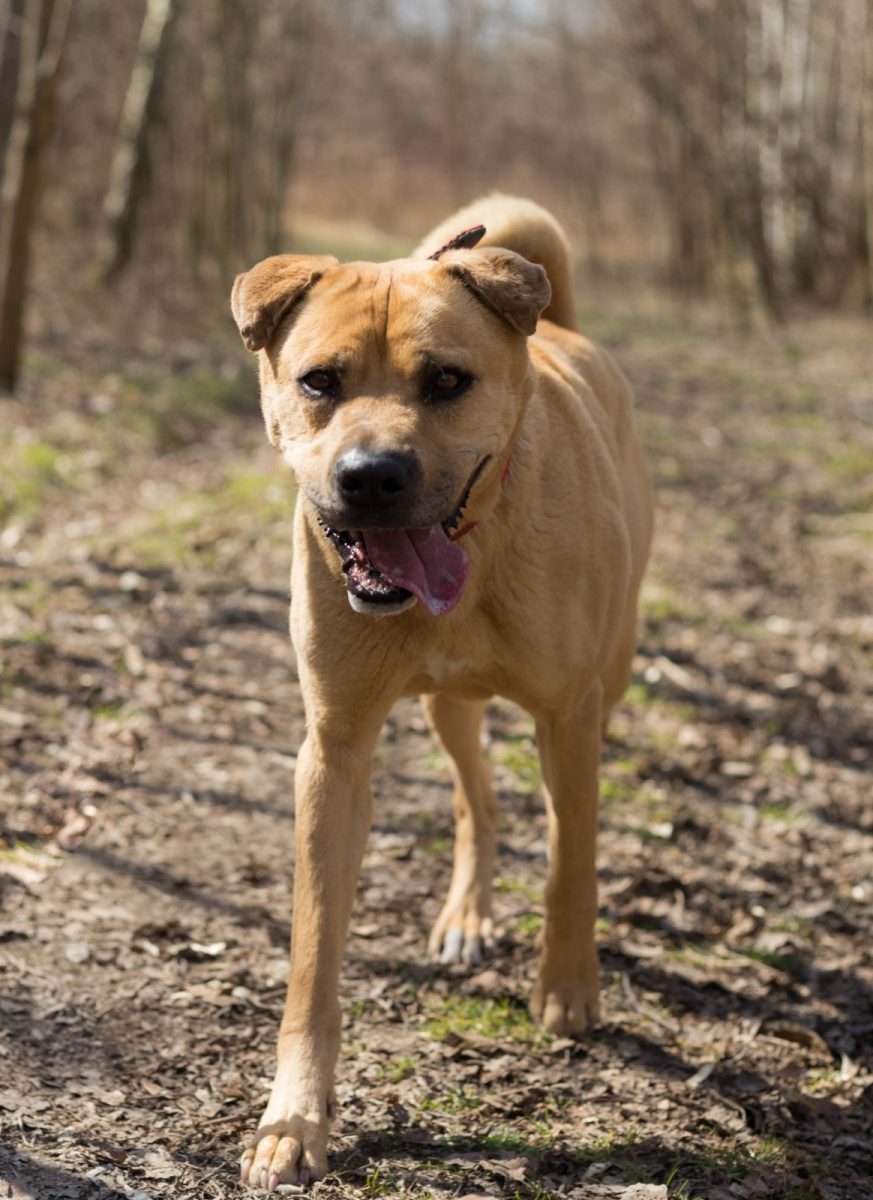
(523, 226)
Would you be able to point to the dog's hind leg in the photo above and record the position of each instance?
(463, 927)
(565, 997)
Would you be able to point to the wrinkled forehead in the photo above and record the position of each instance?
(399, 311)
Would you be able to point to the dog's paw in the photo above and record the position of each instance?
(292, 1149)
(459, 937)
(567, 1008)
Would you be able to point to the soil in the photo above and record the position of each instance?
(149, 718)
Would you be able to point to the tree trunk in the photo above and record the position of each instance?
(45, 32)
(10, 52)
(258, 59)
(771, 132)
(575, 135)
(760, 166)
(867, 147)
(458, 60)
(128, 173)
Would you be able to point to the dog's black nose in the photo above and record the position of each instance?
(374, 481)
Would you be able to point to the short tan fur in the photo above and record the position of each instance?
(547, 617)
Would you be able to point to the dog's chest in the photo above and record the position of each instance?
(441, 669)
(441, 673)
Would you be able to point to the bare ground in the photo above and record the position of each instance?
(149, 716)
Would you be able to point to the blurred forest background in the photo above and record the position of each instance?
(718, 147)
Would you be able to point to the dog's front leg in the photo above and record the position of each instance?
(333, 804)
(565, 997)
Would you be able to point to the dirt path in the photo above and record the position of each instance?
(149, 716)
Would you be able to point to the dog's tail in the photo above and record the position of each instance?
(522, 226)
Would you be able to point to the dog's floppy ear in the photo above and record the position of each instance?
(517, 290)
(262, 296)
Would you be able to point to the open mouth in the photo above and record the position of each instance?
(387, 567)
(362, 578)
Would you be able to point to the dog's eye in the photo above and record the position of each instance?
(319, 382)
(448, 382)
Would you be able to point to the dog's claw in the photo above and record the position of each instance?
(288, 1159)
(452, 945)
(459, 947)
(472, 951)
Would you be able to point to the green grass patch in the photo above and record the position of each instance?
(639, 693)
(27, 854)
(44, 366)
(514, 885)
(37, 637)
(617, 791)
(34, 470)
(519, 755)
(155, 412)
(379, 1183)
(726, 1166)
(437, 845)
(500, 1018)
(202, 529)
(174, 536)
(504, 1139)
(802, 927)
(534, 1136)
(761, 392)
(459, 1098)
(779, 810)
(172, 411)
(790, 964)
(607, 1146)
(852, 462)
(690, 1178)
(659, 603)
(821, 1081)
(634, 326)
(436, 760)
(399, 1069)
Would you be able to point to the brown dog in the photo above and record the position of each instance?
(484, 488)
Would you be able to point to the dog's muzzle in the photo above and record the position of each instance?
(388, 566)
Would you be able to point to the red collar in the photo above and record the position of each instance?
(465, 529)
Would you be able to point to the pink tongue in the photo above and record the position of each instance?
(424, 561)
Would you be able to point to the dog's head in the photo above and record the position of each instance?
(393, 390)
